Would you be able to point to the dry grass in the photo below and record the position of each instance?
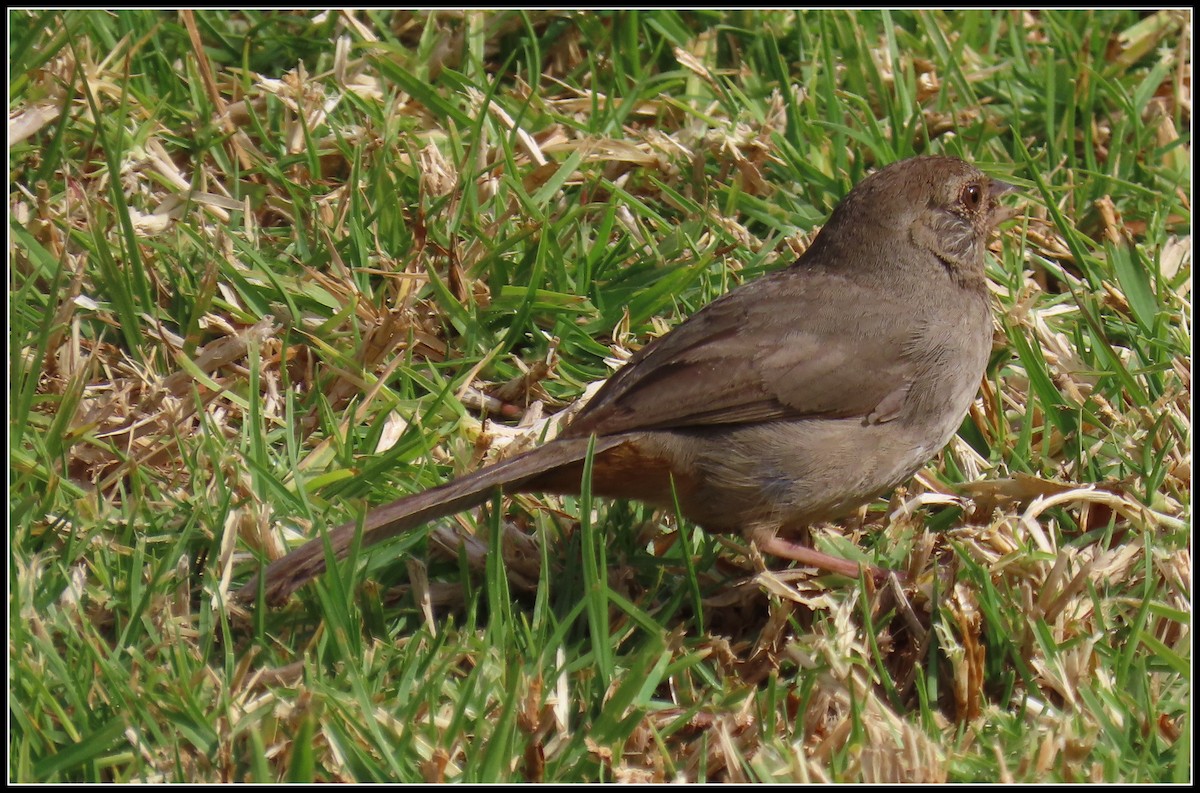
(255, 288)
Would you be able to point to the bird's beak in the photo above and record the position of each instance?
(1001, 213)
(999, 188)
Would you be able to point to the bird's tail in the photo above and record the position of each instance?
(287, 574)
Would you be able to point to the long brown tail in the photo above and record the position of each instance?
(287, 574)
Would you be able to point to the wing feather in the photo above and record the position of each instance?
(750, 357)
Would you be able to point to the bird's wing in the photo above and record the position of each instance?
(785, 346)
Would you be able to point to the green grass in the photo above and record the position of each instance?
(260, 285)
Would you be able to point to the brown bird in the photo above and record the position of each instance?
(794, 398)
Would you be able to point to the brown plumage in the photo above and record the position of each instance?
(794, 398)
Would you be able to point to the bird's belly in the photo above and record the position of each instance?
(792, 473)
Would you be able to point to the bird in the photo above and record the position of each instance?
(793, 399)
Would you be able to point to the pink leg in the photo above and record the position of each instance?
(777, 546)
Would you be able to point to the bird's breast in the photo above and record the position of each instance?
(949, 359)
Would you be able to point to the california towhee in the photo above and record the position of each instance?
(795, 398)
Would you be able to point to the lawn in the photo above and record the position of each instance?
(270, 269)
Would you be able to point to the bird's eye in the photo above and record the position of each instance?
(971, 197)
